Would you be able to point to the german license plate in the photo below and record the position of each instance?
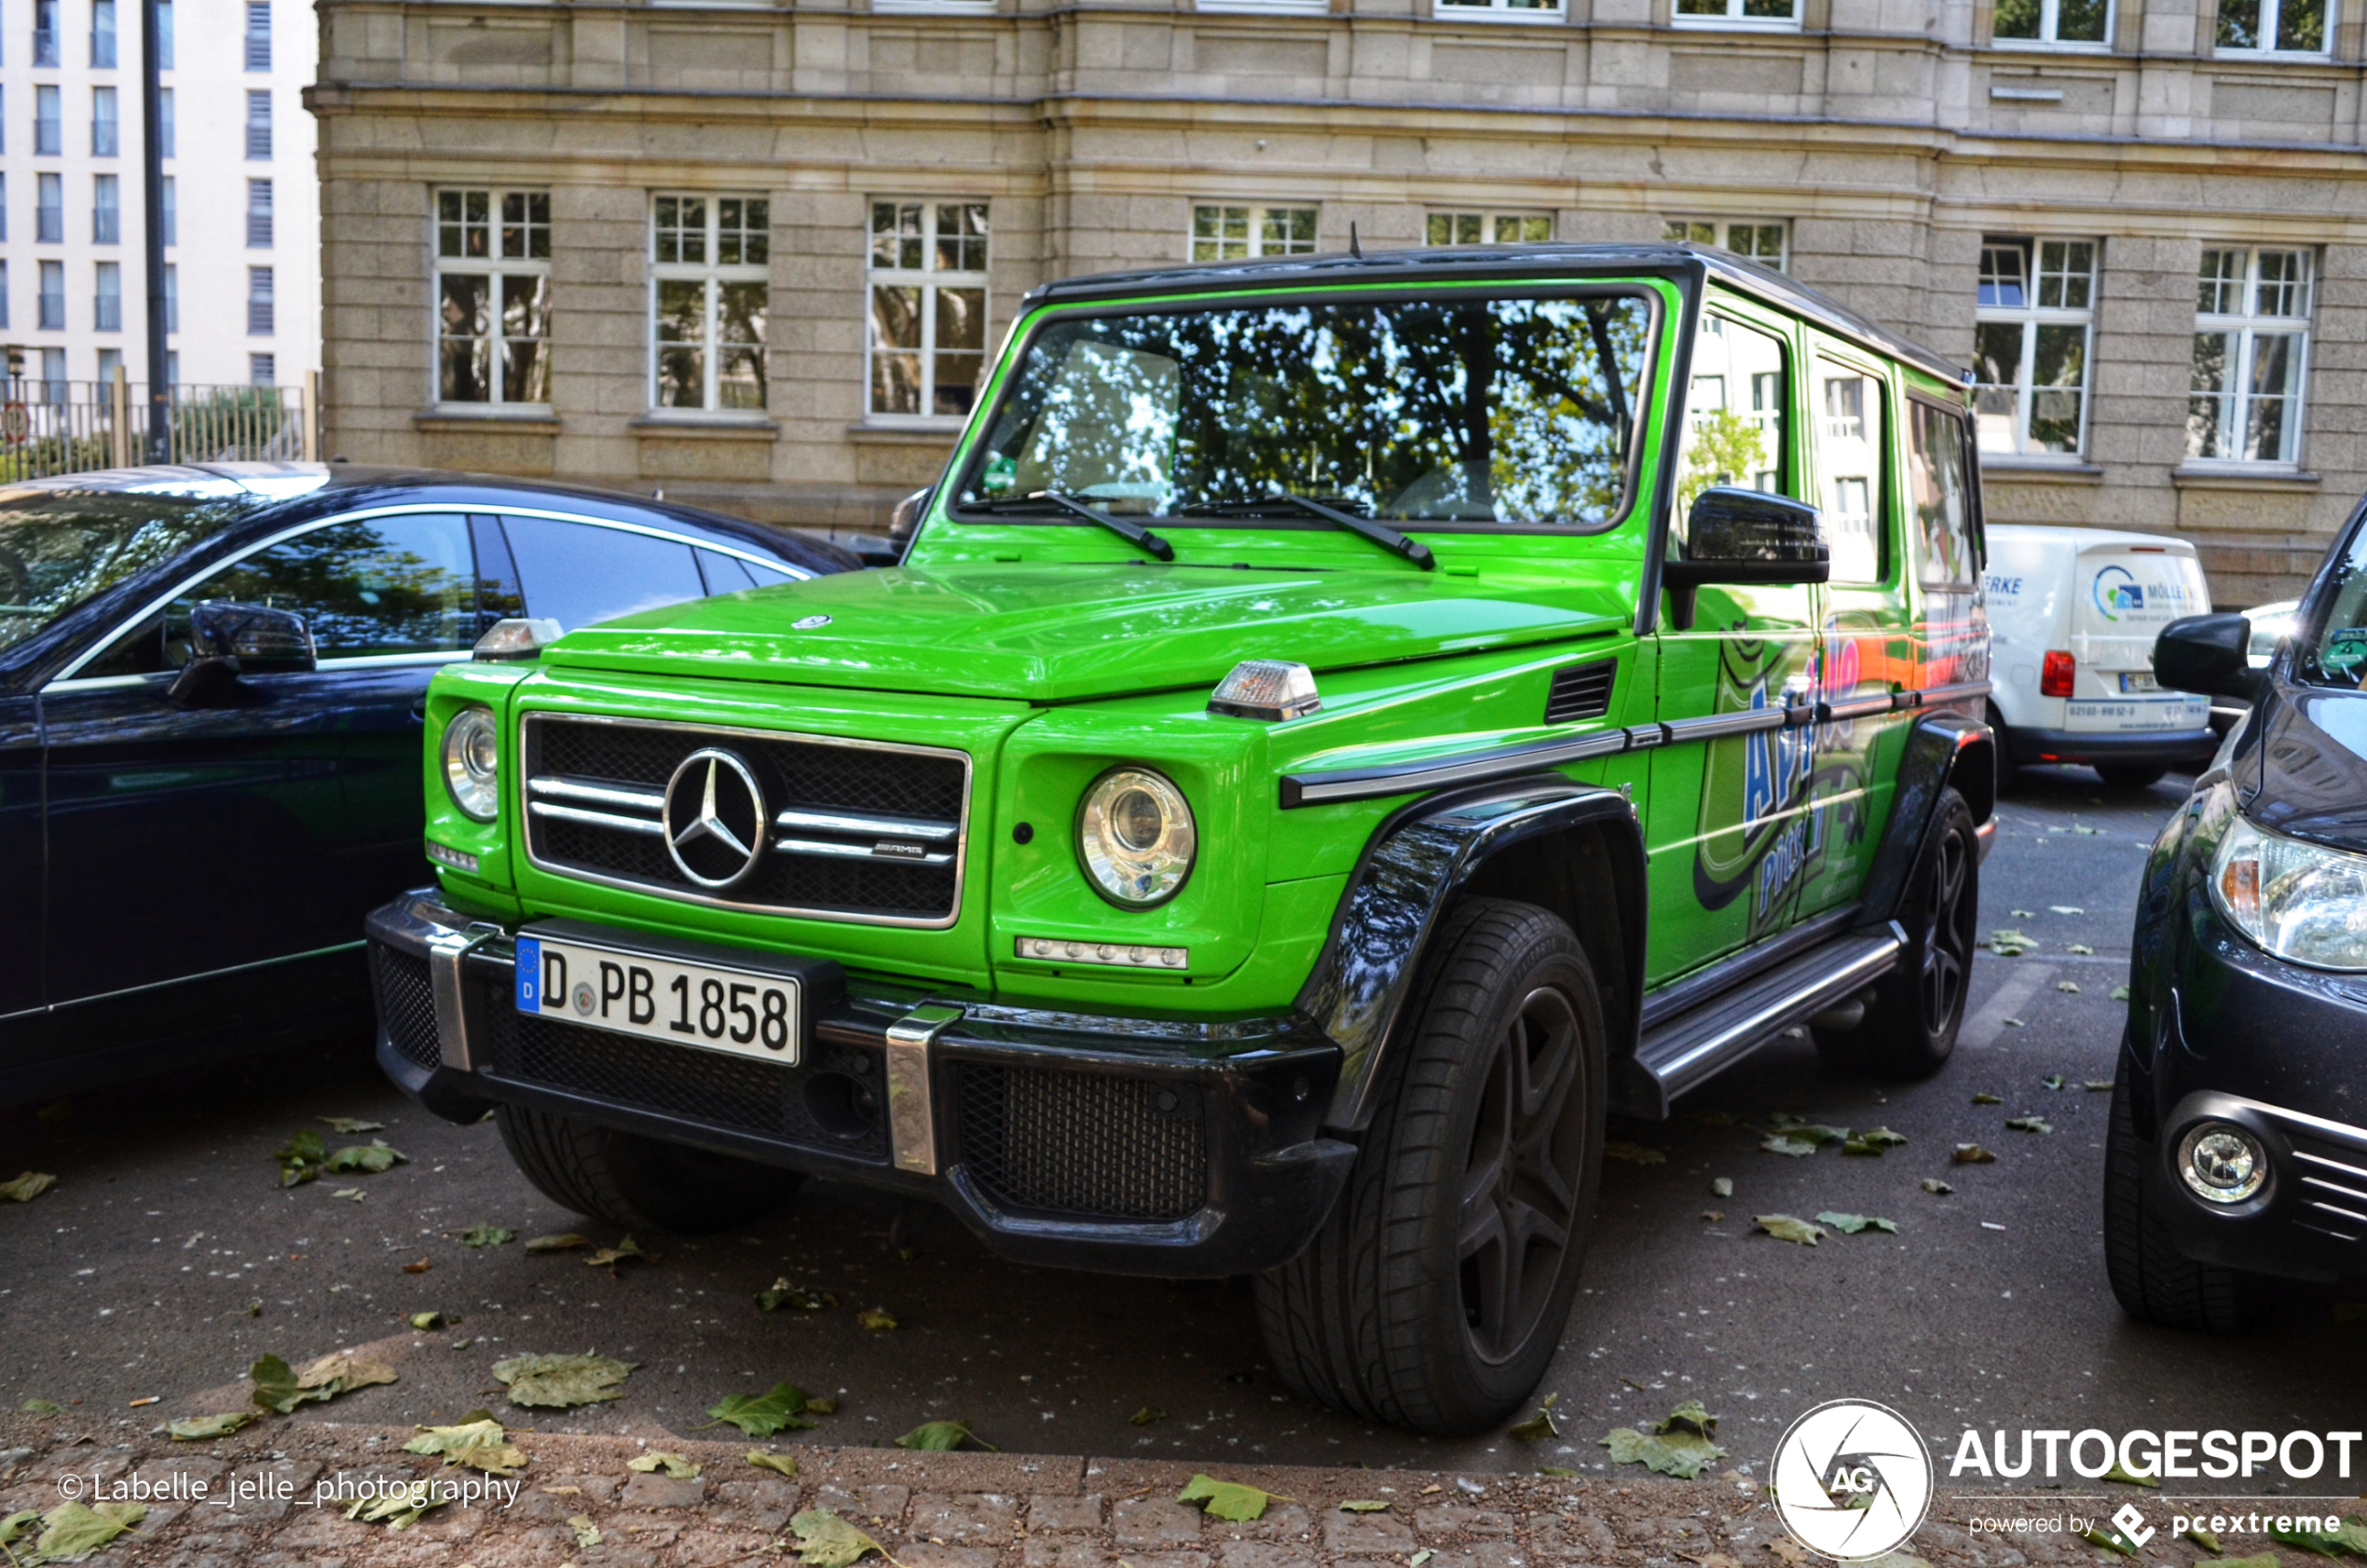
(742, 1011)
(2139, 680)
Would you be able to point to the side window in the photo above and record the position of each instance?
(1849, 451)
(370, 588)
(580, 573)
(727, 574)
(1939, 487)
(1737, 414)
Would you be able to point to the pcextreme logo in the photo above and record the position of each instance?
(1852, 1479)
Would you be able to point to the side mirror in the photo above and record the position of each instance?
(1733, 535)
(233, 640)
(2210, 654)
(904, 521)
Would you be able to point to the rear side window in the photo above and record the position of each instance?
(2336, 655)
(371, 587)
(1736, 415)
(1848, 446)
(727, 573)
(579, 574)
(1940, 492)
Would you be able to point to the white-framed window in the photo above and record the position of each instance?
(492, 327)
(1488, 228)
(2026, 23)
(710, 282)
(2033, 322)
(1772, 14)
(1224, 232)
(927, 337)
(1501, 10)
(2274, 26)
(2251, 355)
(1765, 241)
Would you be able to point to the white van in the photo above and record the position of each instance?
(2072, 615)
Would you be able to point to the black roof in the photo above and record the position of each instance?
(1433, 264)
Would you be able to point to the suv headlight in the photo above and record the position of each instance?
(1135, 837)
(2296, 901)
(473, 763)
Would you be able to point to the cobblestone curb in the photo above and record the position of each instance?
(930, 1510)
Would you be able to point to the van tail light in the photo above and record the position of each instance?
(2055, 676)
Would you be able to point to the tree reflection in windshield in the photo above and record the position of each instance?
(1479, 410)
(61, 548)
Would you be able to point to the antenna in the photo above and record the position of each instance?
(1353, 247)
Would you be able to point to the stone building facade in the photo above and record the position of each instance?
(754, 254)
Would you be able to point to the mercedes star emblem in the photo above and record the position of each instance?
(714, 818)
(809, 623)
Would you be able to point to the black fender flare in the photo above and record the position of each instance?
(1945, 749)
(1416, 864)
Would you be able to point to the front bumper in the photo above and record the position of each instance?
(2228, 1033)
(1130, 1146)
(2026, 748)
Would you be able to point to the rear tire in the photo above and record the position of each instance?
(2151, 1278)
(1910, 1024)
(2130, 775)
(639, 1182)
(1439, 1288)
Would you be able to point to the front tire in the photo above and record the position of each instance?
(1437, 1291)
(1910, 1024)
(2151, 1278)
(638, 1182)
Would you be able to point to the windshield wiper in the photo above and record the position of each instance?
(1133, 533)
(1389, 539)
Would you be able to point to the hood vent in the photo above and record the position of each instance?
(1580, 691)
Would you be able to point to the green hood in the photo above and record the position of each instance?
(1059, 633)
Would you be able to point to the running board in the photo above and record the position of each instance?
(1696, 1045)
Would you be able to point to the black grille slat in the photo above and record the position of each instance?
(794, 773)
(734, 1094)
(1580, 691)
(1082, 1144)
(407, 1004)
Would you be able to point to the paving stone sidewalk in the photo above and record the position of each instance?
(930, 1510)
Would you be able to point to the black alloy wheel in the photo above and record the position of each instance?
(1522, 1177)
(1912, 1015)
(1438, 1290)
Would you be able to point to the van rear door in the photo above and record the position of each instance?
(2122, 596)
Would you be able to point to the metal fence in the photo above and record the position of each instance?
(48, 427)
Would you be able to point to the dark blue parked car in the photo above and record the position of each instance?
(188, 842)
(2237, 1151)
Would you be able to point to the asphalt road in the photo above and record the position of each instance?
(167, 1258)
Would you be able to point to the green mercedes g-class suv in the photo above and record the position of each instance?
(1343, 726)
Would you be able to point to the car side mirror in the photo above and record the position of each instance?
(2210, 654)
(231, 640)
(1739, 536)
(904, 520)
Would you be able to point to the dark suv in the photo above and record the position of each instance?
(2238, 1142)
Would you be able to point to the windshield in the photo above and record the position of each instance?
(1476, 411)
(2337, 654)
(62, 548)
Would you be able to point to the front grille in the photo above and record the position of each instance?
(868, 833)
(1082, 1144)
(831, 1101)
(1580, 691)
(2333, 1189)
(407, 1004)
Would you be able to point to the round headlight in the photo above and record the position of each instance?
(472, 763)
(2222, 1163)
(1135, 837)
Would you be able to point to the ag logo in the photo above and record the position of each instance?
(1852, 1479)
